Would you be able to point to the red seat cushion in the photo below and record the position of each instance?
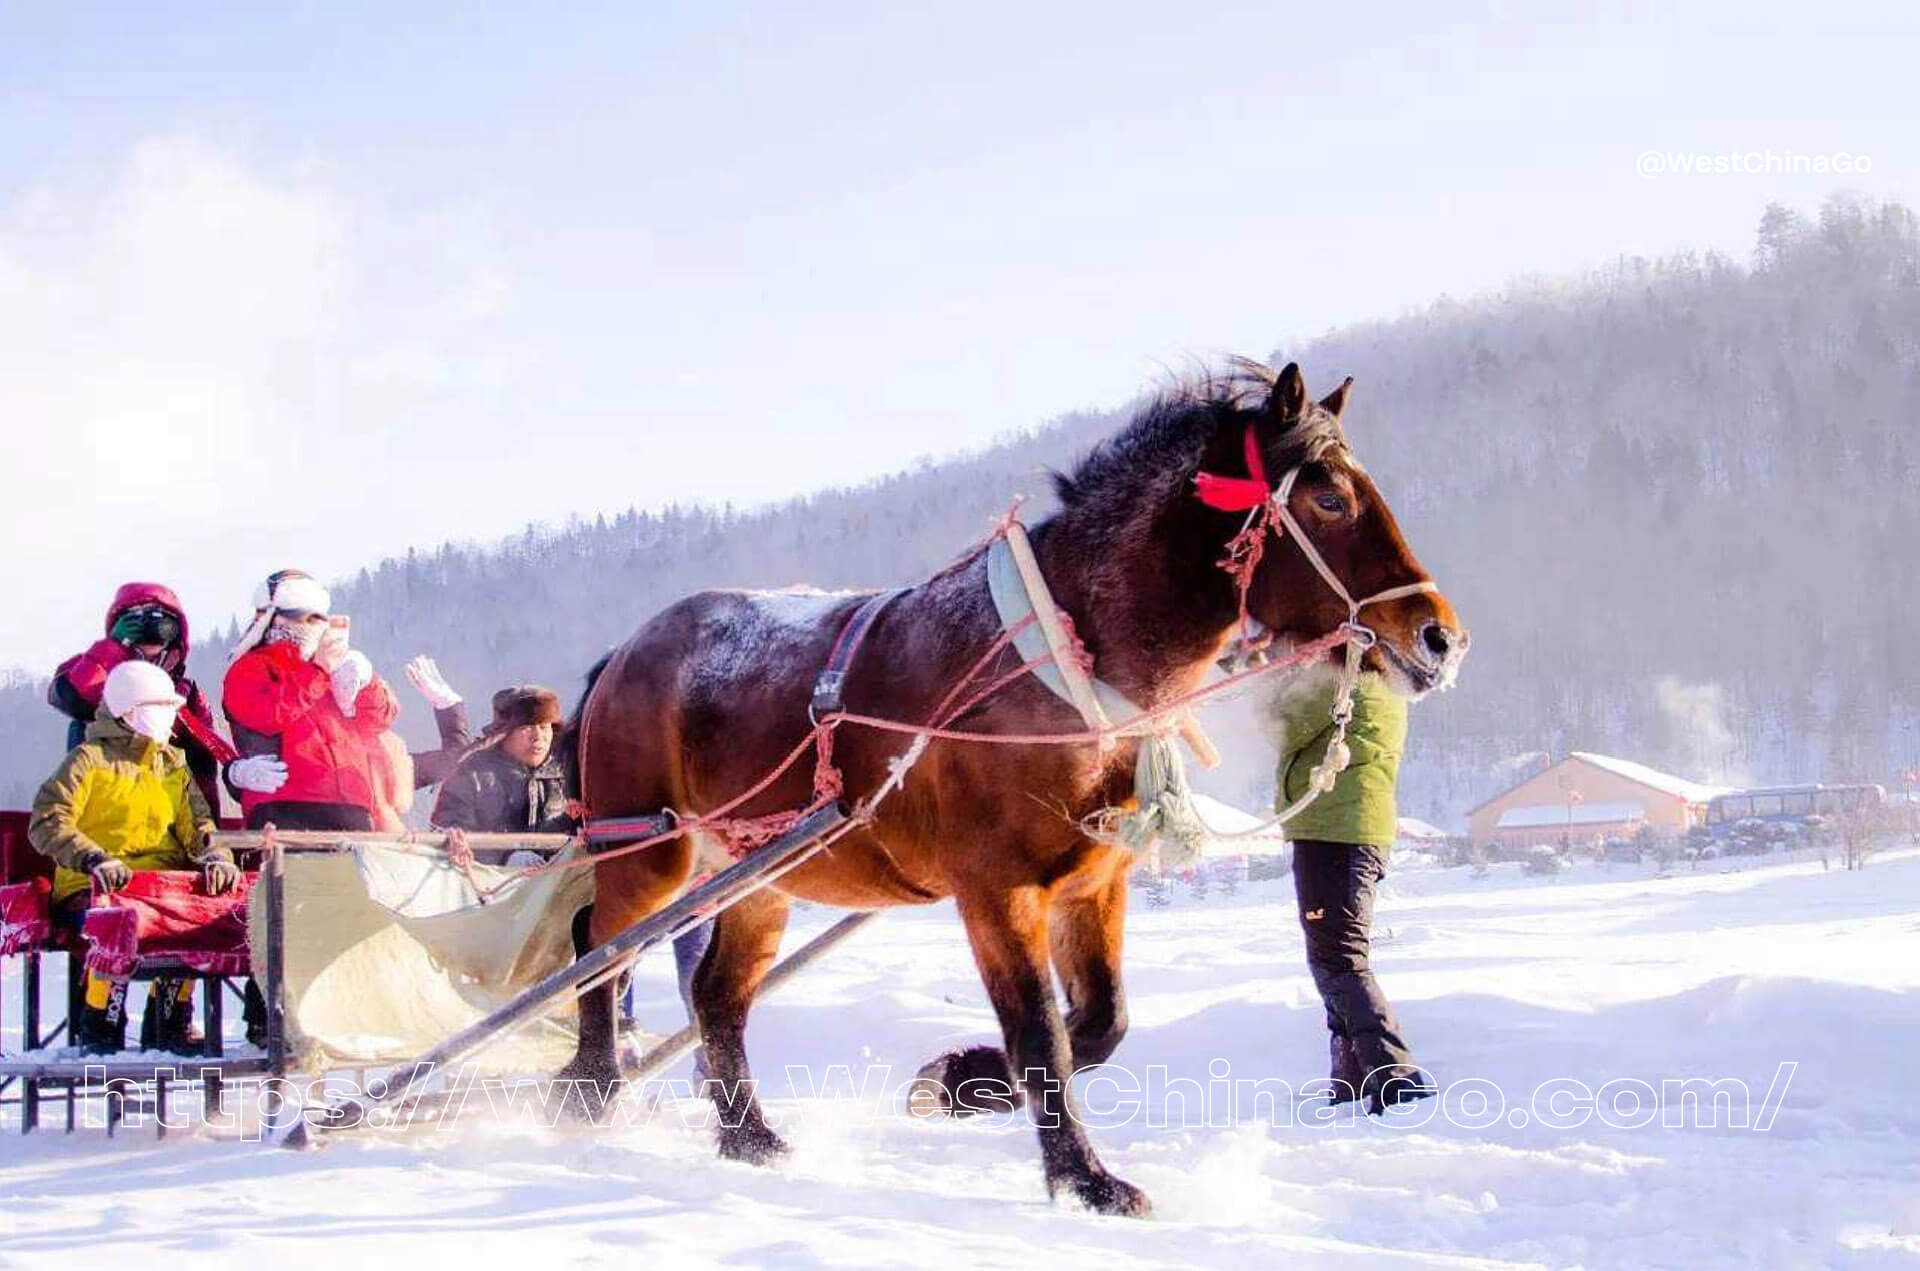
(166, 913)
(26, 917)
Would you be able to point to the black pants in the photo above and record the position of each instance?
(294, 815)
(1335, 884)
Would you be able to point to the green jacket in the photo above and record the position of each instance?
(119, 794)
(1360, 808)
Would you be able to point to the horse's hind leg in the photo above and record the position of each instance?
(1008, 931)
(746, 940)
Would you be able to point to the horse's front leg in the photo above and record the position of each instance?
(626, 890)
(746, 940)
(1087, 930)
(1009, 933)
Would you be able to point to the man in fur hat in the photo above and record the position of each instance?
(513, 781)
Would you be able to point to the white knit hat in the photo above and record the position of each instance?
(136, 683)
(290, 590)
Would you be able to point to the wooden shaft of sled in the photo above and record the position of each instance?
(669, 1052)
(717, 893)
(1197, 741)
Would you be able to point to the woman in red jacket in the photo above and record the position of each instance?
(297, 691)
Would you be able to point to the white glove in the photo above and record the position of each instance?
(352, 674)
(259, 774)
(426, 677)
(332, 649)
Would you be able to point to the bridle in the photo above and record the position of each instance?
(1268, 513)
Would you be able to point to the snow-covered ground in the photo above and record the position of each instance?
(1803, 984)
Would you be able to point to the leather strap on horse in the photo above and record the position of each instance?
(828, 784)
(831, 681)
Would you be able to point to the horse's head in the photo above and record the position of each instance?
(1327, 509)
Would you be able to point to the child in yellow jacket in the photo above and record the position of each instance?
(125, 800)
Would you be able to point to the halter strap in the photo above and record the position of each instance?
(1280, 497)
(1250, 494)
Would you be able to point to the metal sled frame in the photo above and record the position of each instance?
(120, 1080)
(755, 870)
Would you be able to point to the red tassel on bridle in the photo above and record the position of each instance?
(1237, 494)
(1243, 494)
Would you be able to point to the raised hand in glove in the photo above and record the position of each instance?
(352, 674)
(332, 650)
(109, 873)
(219, 877)
(426, 677)
(258, 774)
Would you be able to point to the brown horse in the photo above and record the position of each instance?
(713, 692)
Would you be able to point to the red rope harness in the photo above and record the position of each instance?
(760, 830)
(743, 834)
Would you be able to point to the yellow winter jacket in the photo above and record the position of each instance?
(119, 794)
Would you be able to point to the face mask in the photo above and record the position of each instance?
(304, 636)
(153, 722)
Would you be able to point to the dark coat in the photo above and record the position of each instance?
(431, 767)
(491, 793)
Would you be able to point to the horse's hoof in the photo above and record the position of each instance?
(582, 1093)
(1104, 1194)
(754, 1145)
(964, 1083)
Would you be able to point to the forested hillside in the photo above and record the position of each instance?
(1675, 500)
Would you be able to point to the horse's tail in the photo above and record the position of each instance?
(567, 744)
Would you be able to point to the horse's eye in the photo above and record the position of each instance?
(1331, 504)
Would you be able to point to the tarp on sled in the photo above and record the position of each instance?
(388, 952)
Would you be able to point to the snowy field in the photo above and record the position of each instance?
(1803, 984)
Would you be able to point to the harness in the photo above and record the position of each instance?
(1042, 636)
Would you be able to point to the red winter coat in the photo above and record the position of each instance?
(80, 680)
(274, 695)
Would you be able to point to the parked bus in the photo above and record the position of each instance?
(1795, 805)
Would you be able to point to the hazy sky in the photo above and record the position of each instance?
(308, 288)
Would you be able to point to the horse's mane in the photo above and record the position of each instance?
(1161, 447)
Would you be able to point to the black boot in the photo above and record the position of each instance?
(1391, 1087)
(101, 1028)
(169, 1021)
(253, 1013)
(1344, 1071)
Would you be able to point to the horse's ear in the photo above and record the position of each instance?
(1289, 395)
(1336, 401)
